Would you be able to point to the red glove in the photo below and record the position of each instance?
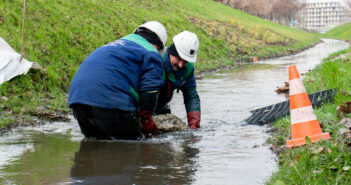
(148, 124)
(194, 119)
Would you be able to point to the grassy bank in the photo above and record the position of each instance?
(342, 32)
(60, 34)
(326, 162)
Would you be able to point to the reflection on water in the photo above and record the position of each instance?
(108, 162)
(47, 160)
(224, 151)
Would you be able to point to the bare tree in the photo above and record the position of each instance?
(285, 10)
(261, 8)
(282, 11)
(255, 7)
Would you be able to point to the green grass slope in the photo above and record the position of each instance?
(342, 32)
(60, 34)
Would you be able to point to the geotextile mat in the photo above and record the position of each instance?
(273, 112)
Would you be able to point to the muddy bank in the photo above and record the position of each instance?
(34, 119)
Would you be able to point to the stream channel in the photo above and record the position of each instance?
(224, 151)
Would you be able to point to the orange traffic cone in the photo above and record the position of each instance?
(304, 122)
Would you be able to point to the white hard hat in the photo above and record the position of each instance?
(187, 45)
(158, 29)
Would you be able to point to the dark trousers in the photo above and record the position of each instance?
(100, 123)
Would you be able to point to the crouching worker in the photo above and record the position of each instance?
(117, 80)
(179, 74)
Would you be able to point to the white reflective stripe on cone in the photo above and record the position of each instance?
(296, 86)
(303, 114)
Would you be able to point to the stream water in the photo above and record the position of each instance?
(224, 151)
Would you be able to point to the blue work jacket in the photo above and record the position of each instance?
(113, 75)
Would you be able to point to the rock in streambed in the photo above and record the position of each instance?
(169, 123)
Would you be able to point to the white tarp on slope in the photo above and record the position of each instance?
(10, 65)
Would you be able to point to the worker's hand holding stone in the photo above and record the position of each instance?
(148, 101)
(147, 122)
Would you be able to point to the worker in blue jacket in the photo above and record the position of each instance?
(179, 74)
(117, 82)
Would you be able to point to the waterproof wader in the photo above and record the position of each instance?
(100, 123)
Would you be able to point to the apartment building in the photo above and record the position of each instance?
(323, 15)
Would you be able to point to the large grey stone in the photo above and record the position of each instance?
(169, 123)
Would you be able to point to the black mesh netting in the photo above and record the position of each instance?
(273, 112)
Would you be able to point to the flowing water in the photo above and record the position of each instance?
(224, 151)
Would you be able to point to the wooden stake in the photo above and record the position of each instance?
(22, 41)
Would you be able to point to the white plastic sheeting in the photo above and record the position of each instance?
(10, 65)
